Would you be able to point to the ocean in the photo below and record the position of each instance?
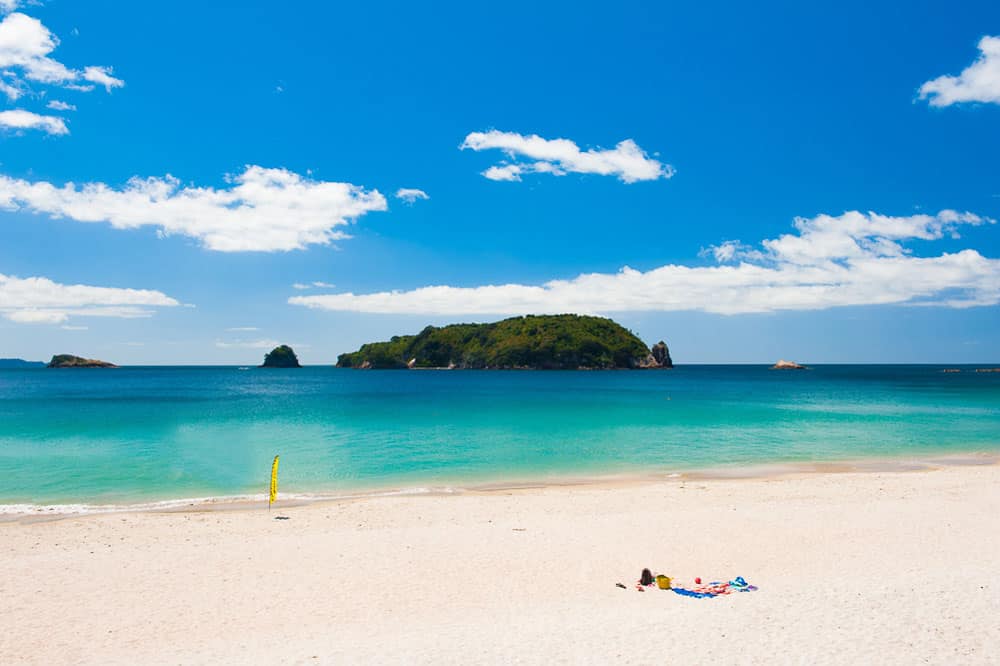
(154, 434)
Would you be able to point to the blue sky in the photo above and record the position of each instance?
(693, 139)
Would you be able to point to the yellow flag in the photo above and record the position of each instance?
(274, 482)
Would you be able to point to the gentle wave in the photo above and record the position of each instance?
(207, 502)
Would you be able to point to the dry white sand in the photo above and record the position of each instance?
(852, 568)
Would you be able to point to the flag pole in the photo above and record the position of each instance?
(273, 490)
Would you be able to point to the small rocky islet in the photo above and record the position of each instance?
(70, 361)
(281, 357)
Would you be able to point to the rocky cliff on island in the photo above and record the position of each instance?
(787, 365)
(661, 355)
(533, 342)
(70, 361)
(281, 357)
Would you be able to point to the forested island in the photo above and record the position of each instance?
(540, 342)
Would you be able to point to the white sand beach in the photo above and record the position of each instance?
(875, 567)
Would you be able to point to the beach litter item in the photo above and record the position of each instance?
(621, 585)
(663, 582)
(740, 585)
(714, 589)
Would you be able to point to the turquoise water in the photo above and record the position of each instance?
(144, 434)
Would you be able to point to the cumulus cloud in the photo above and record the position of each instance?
(26, 47)
(979, 82)
(830, 261)
(19, 119)
(508, 172)
(102, 77)
(59, 105)
(39, 300)
(627, 160)
(263, 210)
(409, 194)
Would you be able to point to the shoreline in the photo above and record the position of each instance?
(888, 567)
(30, 512)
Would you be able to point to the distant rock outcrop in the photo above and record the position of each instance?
(20, 363)
(662, 355)
(787, 365)
(70, 361)
(281, 357)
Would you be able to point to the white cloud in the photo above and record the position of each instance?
(25, 49)
(69, 327)
(242, 329)
(410, 195)
(7, 6)
(38, 300)
(11, 86)
(979, 82)
(59, 105)
(36, 316)
(561, 156)
(102, 77)
(507, 172)
(19, 119)
(247, 344)
(729, 250)
(264, 210)
(302, 286)
(850, 259)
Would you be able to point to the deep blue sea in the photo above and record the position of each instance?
(143, 434)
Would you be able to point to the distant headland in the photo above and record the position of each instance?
(70, 361)
(20, 363)
(535, 342)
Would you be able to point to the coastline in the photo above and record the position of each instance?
(14, 512)
(852, 567)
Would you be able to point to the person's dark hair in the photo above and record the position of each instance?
(646, 578)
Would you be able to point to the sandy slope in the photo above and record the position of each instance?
(853, 568)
